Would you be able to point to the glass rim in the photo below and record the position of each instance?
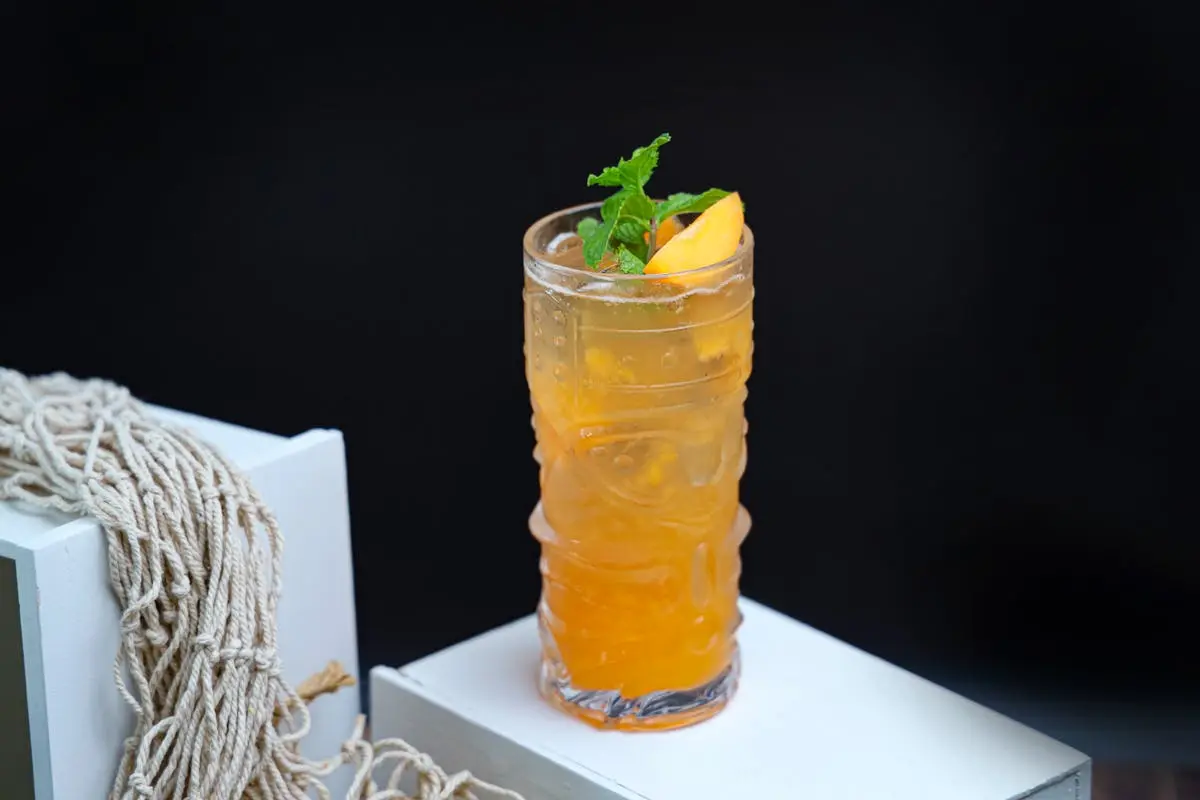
(745, 245)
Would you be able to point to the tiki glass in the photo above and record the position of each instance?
(637, 386)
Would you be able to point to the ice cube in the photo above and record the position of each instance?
(566, 249)
(563, 242)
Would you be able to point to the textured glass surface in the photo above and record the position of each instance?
(637, 386)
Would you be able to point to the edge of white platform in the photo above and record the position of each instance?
(497, 758)
(437, 702)
(532, 770)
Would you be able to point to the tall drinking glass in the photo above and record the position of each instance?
(637, 385)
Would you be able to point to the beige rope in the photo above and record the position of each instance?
(194, 559)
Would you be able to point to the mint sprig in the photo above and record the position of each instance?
(684, 203)
(627, 216)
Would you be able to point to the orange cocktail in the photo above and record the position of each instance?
(638, 383)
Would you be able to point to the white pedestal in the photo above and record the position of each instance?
(815, 719)
(60, 713)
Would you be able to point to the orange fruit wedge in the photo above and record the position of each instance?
(713, 237)
(666, 231)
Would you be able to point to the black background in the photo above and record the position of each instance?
(976, 275)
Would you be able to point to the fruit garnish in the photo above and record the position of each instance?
(630, 221)
(711, 238)
(666, 231)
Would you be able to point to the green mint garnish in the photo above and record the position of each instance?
(635, 172)
(684, 203)
(629, 263)
(622, 217)
(586, 228)
(629, 215)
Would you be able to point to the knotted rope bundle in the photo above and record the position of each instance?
(194, 559)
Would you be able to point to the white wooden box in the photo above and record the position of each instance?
(62, 722)
(814, 719)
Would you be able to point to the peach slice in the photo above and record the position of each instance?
(713, 237)
(666, 231)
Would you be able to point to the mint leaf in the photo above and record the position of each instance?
(624, 213)
(587, 227)
(596, 244)
(684, 203)
(640, 166)
(611, 208)
(609, 176)
(629, 263)
(631, 233)
(634, 173)
(639, 206)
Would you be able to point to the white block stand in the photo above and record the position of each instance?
(62, 722)
(814, 719)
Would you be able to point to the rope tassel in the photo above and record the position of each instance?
(194, 559)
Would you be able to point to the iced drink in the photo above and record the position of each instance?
(637, 384)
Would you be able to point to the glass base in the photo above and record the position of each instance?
(656, 711)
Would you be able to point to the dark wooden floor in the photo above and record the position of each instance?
(1126, 782)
